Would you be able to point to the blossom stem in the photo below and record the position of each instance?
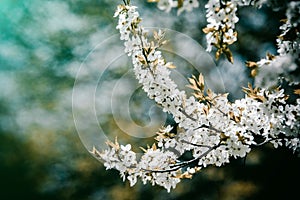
(187, 115)
(210, 127)
(266, 141)
(197, 145)
(182, 164)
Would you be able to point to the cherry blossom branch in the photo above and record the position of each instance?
(187, 115)
(177, 166)
(210, 127)
(261, 113)
(267, 141)
(197, 145)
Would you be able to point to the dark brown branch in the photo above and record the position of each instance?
(210, 127)
(187, 115)
(197, 145)
(179, 165)
(224, 114)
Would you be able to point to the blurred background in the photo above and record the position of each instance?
(60, 62)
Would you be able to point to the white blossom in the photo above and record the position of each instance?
(221, 17)
(166, 5)
(188, 6)
(209, 126)
(256, 3)
(287, 45)
(185, 5)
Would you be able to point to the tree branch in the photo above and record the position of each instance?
(179, 165)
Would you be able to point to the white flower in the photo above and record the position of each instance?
(167, 180)
(294, 143)
(166, 5)
(191, 170)
(276, 143)
(132, 179)
(188, 5)
(257, 3)
(132, 45)
(126, 148)
(166, 129)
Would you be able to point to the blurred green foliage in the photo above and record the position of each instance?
(42, 44)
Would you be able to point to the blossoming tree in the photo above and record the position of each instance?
(209, 127)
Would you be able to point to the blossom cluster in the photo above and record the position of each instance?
(289, 40)
(221, 17)
(269, 69)
(220, 30)
(210, 127)
(256, 3)
(182, 5)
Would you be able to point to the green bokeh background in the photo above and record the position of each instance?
(42, 45)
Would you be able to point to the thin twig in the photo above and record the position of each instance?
(266, 141)
(179, 165)
(197, 145)
(210, 127)
(187, 115)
